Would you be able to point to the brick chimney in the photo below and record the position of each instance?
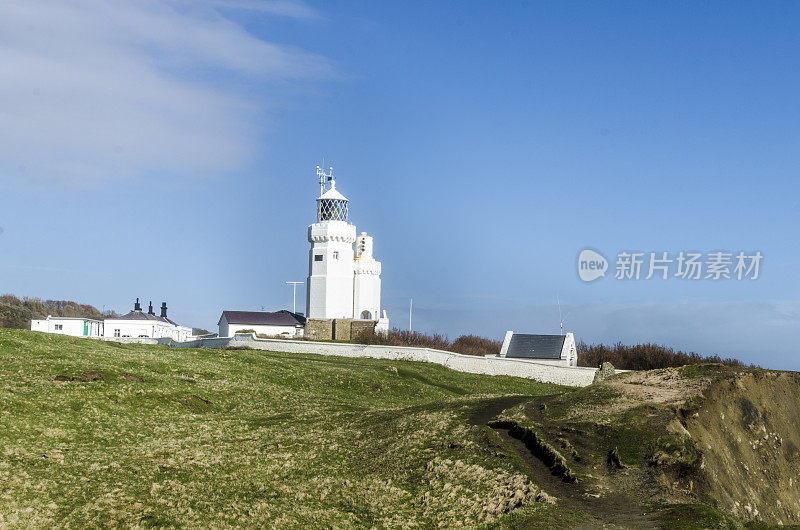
(150, 309)
(163, 310)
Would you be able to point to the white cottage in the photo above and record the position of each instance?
(74, 326)
(137, 323)
(284, 323)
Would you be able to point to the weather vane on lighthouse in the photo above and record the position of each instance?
(323, 177)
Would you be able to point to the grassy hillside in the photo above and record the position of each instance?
(18, 313)
(99, 434)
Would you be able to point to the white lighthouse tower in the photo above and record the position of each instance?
(330, 260)
(341, 283)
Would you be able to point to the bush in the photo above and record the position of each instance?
(475, 345)
(465, 344)
(643, 356)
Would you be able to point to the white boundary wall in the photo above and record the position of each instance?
(562, 375)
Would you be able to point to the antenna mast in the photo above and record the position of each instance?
(323, 177)
(561, 317)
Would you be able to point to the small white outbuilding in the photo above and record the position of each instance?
(74, 326)
(559, 350)
(282, 322)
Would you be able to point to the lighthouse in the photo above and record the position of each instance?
(343, 282)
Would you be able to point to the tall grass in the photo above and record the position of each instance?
(465, 344)
(643, 356)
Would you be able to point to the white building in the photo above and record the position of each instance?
(342, 282)
(74, 326)
(558, 350)
(283, 323)
(137, 323)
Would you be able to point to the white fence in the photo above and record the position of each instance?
(562, 375)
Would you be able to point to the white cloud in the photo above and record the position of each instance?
(277, 7)
(101, 90)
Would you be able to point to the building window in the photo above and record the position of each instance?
(335, 254)
(318, 257)
(116, 333)
(59, 327)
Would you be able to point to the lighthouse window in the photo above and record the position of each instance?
(318, 257)
(335, 254)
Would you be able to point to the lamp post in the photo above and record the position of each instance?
(294, 295)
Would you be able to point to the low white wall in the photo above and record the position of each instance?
(137, 340)
(569, 376)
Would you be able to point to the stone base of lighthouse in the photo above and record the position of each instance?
(340, 328)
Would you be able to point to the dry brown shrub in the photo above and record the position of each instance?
(465, 344)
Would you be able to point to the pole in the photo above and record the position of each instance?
(561, 317)
(410, 307)
(294, 295)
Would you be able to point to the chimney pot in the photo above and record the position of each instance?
(163, 309)
(150, 309)
(137, 306)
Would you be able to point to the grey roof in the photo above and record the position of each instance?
(141, 315)
(535, 346)
(262, 318)
(51, 317)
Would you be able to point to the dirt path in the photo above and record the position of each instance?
(609, 511)
(491, 409)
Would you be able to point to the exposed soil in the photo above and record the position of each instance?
(85, 377)
(539, 448)
(69, 378)
(609, 511)
(649, 445)
(748, 433)
(196, 403)
(662, 387)
(491, 409)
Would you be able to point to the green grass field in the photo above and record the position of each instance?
(220, 438)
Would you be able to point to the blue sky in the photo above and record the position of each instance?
(166, 150)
